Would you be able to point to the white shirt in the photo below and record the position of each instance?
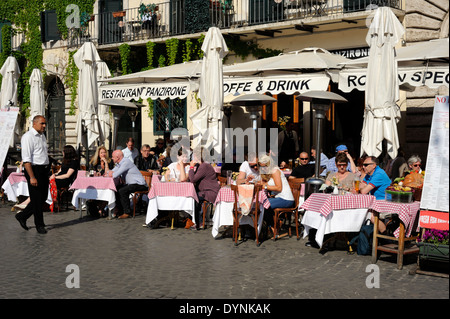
(34, 148)
(131, 155)
(286, 192)
(245, 167)
(174, 173)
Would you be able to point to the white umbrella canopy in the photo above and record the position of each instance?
(382, 86)
(86, 59)
(184, 70)
(211, 88)
(37, 100)
(103, 73)
(10, 72)
(297, 61)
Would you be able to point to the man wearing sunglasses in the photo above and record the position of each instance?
(249, 170)
(304, 170)
(376, 180)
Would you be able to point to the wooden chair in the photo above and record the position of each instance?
(137, 195)
(397, 248)
(296, 185)
(222, 181)
(207, 207)
(253, 214)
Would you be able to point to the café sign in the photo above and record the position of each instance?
(288, 84)
(432, 77)
(154, 91)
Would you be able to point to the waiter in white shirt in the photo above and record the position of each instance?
(36, 163)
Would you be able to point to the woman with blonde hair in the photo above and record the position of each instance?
(101, 162)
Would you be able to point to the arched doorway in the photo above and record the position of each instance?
(56, 117)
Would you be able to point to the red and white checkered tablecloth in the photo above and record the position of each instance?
(326, 203)
(407, 213)
(184, 189)
(84, 182)
(227, 195)
(15, 178)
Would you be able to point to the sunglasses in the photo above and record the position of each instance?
(304, 159)
(417, 165)
(367, 164)
(341, 165)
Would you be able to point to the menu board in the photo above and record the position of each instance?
(8, 117)
(435, 193)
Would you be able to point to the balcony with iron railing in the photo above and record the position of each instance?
(173, 18)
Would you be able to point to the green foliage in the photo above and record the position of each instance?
(150, 54)
(172, 50)
(197, 17)
(71, 81)
(244, 49)
(125, 54)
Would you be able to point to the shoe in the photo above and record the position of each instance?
(312, 244)
(123, 216)
(22, 222)
(20, 206)
(41, 230)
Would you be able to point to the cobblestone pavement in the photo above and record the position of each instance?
(122, 259)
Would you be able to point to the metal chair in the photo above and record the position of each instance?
(296, 185)
(137, 195)
(253, 214)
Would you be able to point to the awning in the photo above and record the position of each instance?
(431, 76)
(288, 84)
(154, 91)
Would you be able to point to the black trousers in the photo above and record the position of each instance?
(123, 196)
(38, 195)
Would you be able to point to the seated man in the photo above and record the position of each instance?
(146, 161)
(304, 170)
(134, 181)
(375, 182)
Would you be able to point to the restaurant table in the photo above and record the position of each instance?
(94, 188)
(408, 214)
(16, 185)
(223, 213)
(172, 196)
(329, 213)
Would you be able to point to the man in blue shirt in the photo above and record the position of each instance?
(376, 180)
(134, 181)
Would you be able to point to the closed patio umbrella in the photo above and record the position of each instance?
(37, 101)
(211, 88)
(10, 72)
(86, 59)
(382, 87)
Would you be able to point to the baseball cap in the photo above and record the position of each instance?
(341, 148)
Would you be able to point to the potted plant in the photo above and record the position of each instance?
(434, 245)
(119, 14)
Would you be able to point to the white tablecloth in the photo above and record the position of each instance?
(81, 195)
(345, 220)
(156, 203)
(20, 189)
(223, 216)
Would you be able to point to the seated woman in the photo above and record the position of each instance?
(277, 185)
(204, 177)
(343, 177)
(249, 170)
(101, 162)
(414, 164)
(179, 170)
(69, 168)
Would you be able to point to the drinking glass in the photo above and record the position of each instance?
(229, 176)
